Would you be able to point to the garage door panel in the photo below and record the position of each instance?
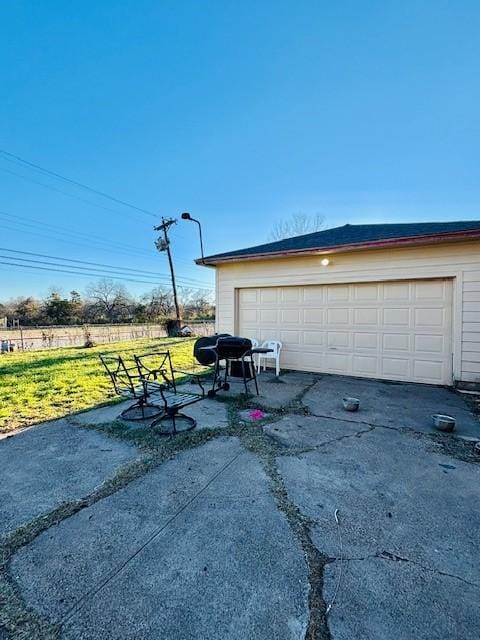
(396, 317)
(428, 370)
(289, 295)
(429, 317)
(309, 360)
(248, 296)
(290, 316)
(430, 343)
(365, 365)
(366, 316)
(313, 295)
(430, 290)
(338, 316)
(249, 316)
(338, 293)
(292, 337)
(313, 316)
(396, 342)
(392, 330)
(314, 338)
(268, 296)
(396, 291)
(338, 362)
(339, 339)
(265, 333)
(365, 341)
(396, 367)
(269, 316)
(367, 293)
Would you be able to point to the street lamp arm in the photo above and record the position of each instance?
(187, 216)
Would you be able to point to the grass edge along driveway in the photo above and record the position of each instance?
(48, 384)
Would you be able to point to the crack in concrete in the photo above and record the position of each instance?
(394, 557)
(295, 406)
(317, 628)
(369, 424)
(118, 569)
(453, 447)
(22, 622)
(288, 451)
(301, 526)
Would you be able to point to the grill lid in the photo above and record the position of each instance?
(233, 347)
(207, 357)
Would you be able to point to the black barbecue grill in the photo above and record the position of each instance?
(235, 352)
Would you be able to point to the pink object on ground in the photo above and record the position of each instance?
(256, 414)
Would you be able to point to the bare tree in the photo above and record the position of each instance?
(297, 225)
(109, 299)
(27, 310)
(197, 303)
(158, 303)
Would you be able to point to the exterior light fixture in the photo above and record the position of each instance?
(325, 262)
(187, 216)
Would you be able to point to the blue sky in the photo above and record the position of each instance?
(240, 112)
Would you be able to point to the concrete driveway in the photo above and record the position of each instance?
(310, 523)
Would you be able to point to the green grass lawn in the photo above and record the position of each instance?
(40, 385)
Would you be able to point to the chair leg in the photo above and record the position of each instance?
(168, 423)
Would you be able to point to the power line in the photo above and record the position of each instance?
(126, 249)
(194, 281)
(190, 284)
(83, 275)
(113, 247)
(70, 241)
(30, 222)
(140, 272)
(57, 190)
(103, 194)
(104, 267)
(105, 272)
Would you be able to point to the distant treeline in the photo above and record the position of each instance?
(106, 302)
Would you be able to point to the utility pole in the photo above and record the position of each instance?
(163, 244)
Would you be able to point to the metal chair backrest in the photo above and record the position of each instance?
(125, 378)
(156, 365)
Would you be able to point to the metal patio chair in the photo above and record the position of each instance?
(128, 383)
(158, 375)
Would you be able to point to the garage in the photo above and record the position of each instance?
(397, 302)
(391, 330)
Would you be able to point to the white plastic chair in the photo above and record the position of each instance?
(276, 347)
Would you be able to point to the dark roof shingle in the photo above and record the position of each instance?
(350, 234)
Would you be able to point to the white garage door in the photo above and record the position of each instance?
(391, 330)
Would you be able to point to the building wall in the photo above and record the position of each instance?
(460, 261)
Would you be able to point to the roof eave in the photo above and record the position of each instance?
(437, 238)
